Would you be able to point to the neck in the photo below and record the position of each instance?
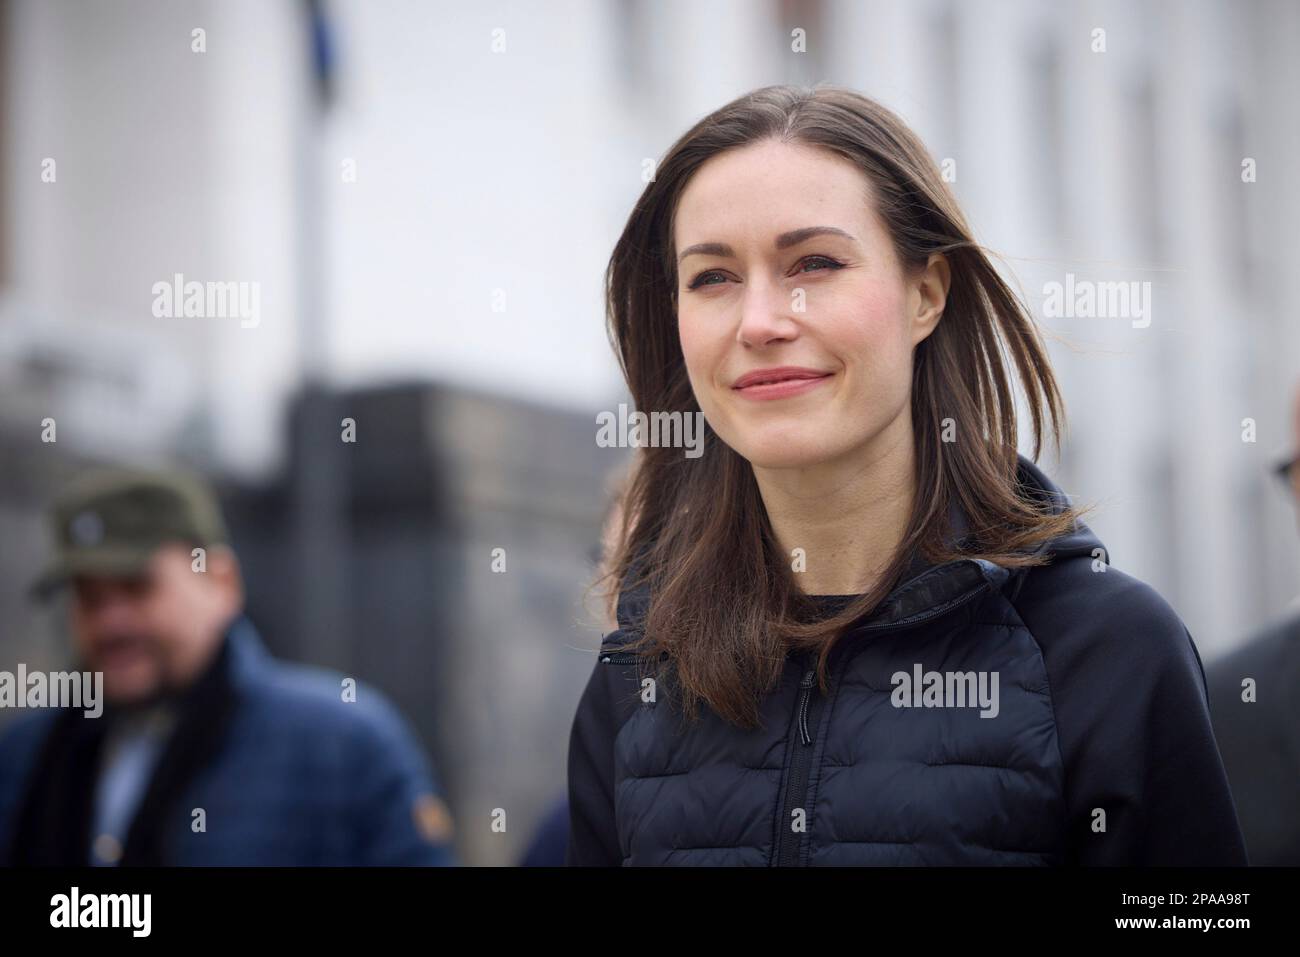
(848, 515)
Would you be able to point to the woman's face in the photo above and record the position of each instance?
(797, 321)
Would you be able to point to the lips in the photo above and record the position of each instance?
(119, 654)
(773, 376)
(779, 383)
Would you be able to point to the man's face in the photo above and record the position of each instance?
(152, 634)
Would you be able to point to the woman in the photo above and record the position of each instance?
(860, 628)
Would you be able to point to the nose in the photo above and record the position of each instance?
(109, 612)
(766, 316)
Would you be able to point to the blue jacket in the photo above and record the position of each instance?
(1100, 749)
(551, 838)
(285, 771)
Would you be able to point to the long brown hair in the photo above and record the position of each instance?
(724, 607)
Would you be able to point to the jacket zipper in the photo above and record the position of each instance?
(806, 716)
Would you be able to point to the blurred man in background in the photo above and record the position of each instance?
(208, 751)
(1255, 706)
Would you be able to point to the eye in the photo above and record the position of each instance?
(819, 262)
(823, 261)
(700, 279)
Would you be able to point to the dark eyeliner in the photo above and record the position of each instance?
(831, 263)
(696, 283)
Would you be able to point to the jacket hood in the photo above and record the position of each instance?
(1081, 540)
(927, 589)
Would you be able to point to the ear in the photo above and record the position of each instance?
(929, 296)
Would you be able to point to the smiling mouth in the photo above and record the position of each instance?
(778, 383)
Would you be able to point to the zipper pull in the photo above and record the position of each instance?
(618, 658)
(809, 679)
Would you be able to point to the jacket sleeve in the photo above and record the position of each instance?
(593, 835)
(1145, 784)
(20, 746)
(400, 818)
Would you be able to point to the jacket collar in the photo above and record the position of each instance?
(246, 652)
(928, 589)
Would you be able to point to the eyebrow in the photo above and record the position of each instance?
(793, 238)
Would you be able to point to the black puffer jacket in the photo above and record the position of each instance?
(1083, 736)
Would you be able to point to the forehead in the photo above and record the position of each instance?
(765, 188)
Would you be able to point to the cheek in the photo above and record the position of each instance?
(701, 350)
(688, 334)
(871, 330)
(164, 612)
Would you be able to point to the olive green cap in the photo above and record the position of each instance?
(111, 521)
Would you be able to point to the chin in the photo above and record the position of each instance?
(785, 451)
(126, 691)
